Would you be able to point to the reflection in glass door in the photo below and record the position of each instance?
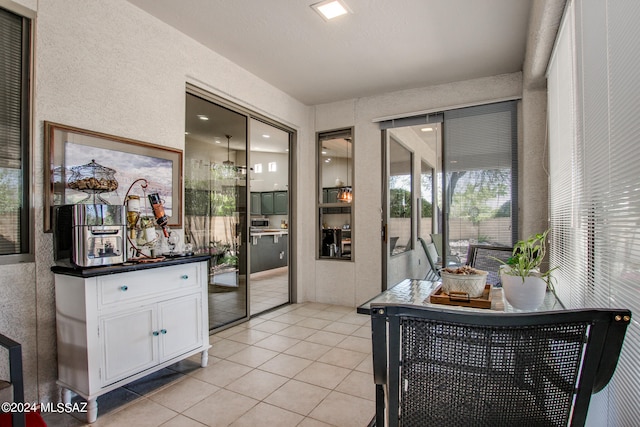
(215, 180)
(269, 223)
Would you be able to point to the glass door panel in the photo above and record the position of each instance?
(216, 203)
(269, 207)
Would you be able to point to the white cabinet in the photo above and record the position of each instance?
(115, 328)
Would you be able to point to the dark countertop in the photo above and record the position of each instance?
(123, 268)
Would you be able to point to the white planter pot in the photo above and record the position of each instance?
(527, 295)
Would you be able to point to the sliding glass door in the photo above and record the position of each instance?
(237, 198)
(215, 181)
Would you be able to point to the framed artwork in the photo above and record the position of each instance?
(73, 154)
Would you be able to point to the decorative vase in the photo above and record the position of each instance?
(527, 295)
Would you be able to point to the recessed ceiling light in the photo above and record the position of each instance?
(266, 136)
(186, 133)
(203, 117)
(330, 9)
(427, 129)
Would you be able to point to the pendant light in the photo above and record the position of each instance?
(345, 194)
(227, 169)
(228, 162)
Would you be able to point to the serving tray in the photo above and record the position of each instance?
(461, 299)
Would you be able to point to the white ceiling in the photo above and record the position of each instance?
(383, 46)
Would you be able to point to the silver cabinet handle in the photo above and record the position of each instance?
(163, 331)
(156, 333)
(184, 276)
(124, 288)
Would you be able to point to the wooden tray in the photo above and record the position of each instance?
(462, 299)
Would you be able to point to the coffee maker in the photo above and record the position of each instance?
(89, 235)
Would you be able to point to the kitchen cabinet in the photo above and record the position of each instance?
(256, 203)
(115, 328)
(266, 203)
(280, 203)
(274, 203)
(269, 251)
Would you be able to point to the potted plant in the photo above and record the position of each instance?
(523, 283)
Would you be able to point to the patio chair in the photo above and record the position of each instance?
(432, 257)
(482, 258)
(452, 259)
(459, 368)
(13, 390)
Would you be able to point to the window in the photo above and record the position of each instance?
(14, 138)
(335, 194)
(400, 198)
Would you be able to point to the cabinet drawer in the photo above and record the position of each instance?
(143, 284)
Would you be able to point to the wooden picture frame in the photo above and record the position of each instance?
(67, 147)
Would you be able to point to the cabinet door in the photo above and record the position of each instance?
(128, 343)
(332, 195)
(280, 203)
(256, 202)
(266, 203)
(180, 325)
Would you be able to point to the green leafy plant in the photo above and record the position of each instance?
(527, 257)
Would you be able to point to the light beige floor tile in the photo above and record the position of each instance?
(341, 328)
(310, 422)
(326, 338)
(318, 306)
(323, 375)
(182, 421)
(298, 396)
(222, 373)
(286, 365)
(232, 330)
(311, 322)
(277, 343)
(359, 384)
(289, 318)
(342, 357)
(305, 311)
(308, 350)
(329, 315)
(254, 356)
(355, 318)
(362, 345)
(143, 412)
(183, 394)
(257, 384)
(249, 336)
(340, 309)
(363, 332)
(253, 322)
(268, 415)
(270, 326)
(226, 348)
(220, 409)
(298, 332)
(343, 410)
(366, 365)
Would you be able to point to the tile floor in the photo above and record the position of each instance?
(306, 365)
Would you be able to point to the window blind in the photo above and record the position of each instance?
(14, 64)
(480, 170)
(594, 139)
